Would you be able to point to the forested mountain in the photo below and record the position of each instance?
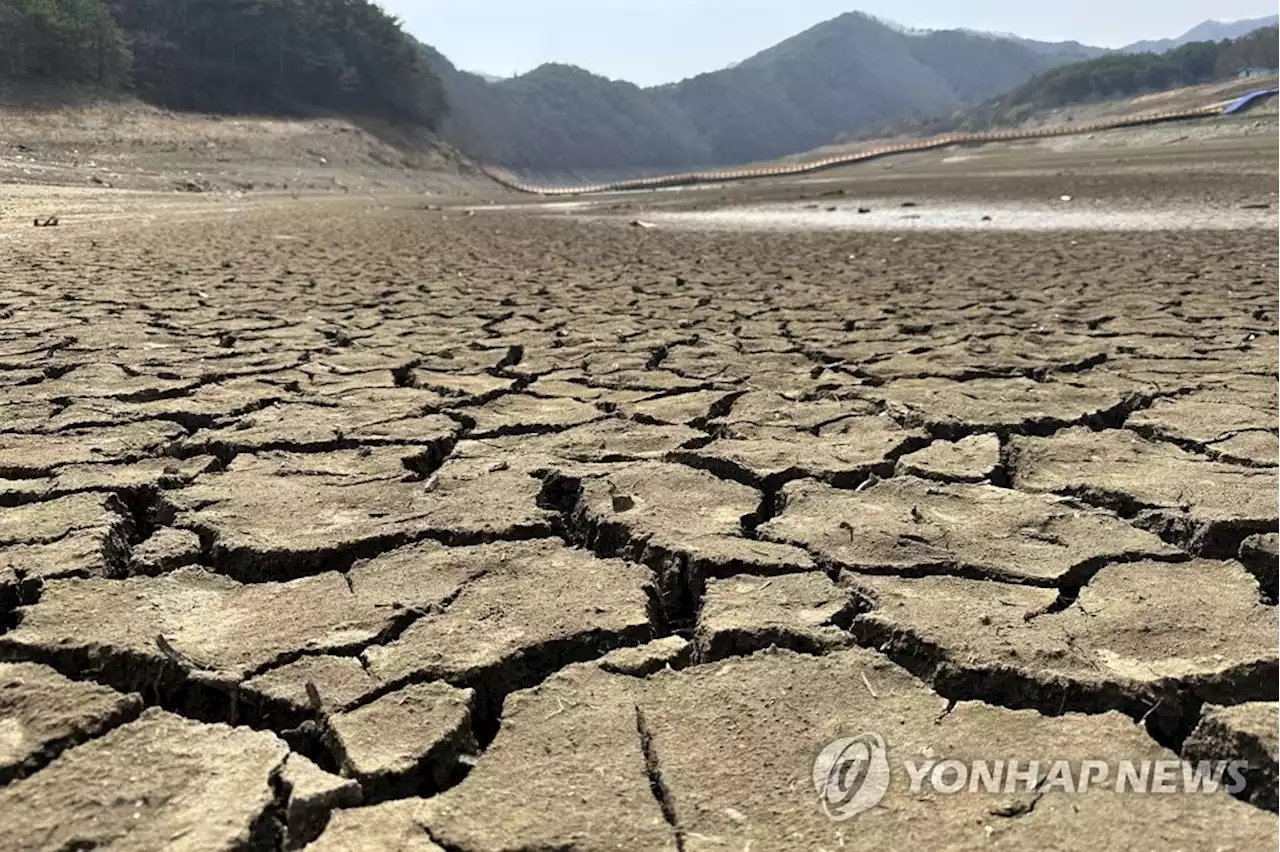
(561, 117)
(838, 77)
(68, 40)
(848, 76)
(226, 55)
(1125, 74)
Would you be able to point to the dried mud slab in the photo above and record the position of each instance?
(608, 441)
(578, 734)
(313, 428)
(741, 615)
(1243, 732)
(973, 459)
(192, 624)
(166, 550)
(388, 827)
(684, 523)
(481, 501)
(43, 713)
(110, 381)
(135, 482)
(913, 527)
(1261, 555)
(954, 409)
(1207, 506)
(1149, 638)
(27, 456)
(643, 660)
(491, 616)
(1209, 421)
(522, 413)
(681, 409)
(312, 794)
(280, 515)
(290, 691)
(645, 381)
(999, 356)
(196, 408)
(462, 388)
(844, 454)
(184, 785)
(766, 414)
(516, 612)
(405, 741)
(84, 535)
(765, 718)
(566, 379)
(1253, 448)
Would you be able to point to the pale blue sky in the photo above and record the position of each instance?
(659, 41)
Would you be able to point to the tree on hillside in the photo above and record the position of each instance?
(248, 55)
(227, 55)
(1123, 75)
(70, 40)
(1258, 49)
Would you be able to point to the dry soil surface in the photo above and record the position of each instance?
(124, 144)
(383, 527)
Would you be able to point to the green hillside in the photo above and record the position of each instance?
(228, 56)
(836, 78)
(1128, 74)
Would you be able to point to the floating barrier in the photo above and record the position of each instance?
(782, 170)
(1248, 99)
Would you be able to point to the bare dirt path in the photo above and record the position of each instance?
(384, 527)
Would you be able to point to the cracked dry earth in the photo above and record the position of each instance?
(400, 530)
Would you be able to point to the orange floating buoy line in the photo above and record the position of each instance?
(726, 175)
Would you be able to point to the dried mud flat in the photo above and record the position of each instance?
(391, 528)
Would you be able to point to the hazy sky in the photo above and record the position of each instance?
(659, 41)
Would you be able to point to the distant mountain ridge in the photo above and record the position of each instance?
(847, 75)
(1204, 31)
(1070, 51)
(837, 77)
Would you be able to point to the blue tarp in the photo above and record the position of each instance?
(1247, 100)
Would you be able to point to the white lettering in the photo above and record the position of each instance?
(1204, 773)
(1165, 777)
(1059, 776)
(1235, 769)
(988, 775)
(916, 772)
(1133, 778)
(938, 778)
(1029, 777)
(1093, 772)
